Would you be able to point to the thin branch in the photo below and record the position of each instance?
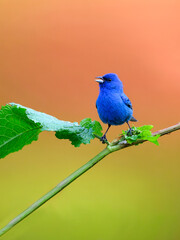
(116, 145)
(167, 130)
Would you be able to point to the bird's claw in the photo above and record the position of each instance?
(130, 132)
(103, 139)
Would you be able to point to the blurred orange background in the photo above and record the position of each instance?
(51, 51)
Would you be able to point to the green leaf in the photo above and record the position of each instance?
(141, 133)
(20, 126)
(16, 130)
(145, 127)
(81, 134)
(153, 139)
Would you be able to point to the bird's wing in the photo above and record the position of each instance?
(126, 100)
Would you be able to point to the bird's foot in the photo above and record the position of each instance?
(130, 132)
(103, 139)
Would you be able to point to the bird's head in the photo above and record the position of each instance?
(110, 81)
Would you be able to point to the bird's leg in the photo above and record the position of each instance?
(130, 130)
(103, 138)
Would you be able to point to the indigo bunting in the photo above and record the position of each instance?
(113, 106)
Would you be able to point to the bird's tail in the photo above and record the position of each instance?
(133, 119)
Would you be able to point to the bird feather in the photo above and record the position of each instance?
(126, 100)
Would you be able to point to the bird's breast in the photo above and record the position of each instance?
(111, 108)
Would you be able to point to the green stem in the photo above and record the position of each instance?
(55, 190)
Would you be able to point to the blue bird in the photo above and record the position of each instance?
(113, 106)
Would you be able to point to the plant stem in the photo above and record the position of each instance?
(116, 144)
(55, 190)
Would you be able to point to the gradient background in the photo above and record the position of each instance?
(50, 53)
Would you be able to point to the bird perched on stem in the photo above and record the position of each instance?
(113, 106)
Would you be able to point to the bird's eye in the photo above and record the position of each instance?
(107, 79)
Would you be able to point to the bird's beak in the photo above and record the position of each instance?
(99, 79)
